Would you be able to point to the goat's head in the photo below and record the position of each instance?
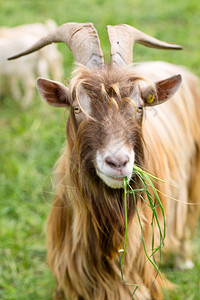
(106, 102)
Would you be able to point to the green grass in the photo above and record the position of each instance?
(31, 140)
(153, 201)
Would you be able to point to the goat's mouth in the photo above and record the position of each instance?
(115, 182)
(114, 164)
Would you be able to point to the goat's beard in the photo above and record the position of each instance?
(105, 206)
(106, 209)
(104, 203)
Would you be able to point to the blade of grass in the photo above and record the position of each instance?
(154, 202)
(126, 219)
(150, 196)
(121, 259)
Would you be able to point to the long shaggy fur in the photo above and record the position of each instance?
(86, 223)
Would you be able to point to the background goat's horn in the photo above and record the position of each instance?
(81, 38)
(122, 39)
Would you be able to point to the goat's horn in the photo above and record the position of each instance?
(81, 38)
(122, 39)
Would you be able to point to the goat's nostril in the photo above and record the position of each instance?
(118, 162)
(110, 162)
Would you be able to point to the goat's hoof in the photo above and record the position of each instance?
(184, 264)
(58, 295)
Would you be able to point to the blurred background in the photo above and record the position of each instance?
(32, 133)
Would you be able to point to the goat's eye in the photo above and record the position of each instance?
(139, 109)
(77, 109)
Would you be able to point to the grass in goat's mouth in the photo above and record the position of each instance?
(153, 201)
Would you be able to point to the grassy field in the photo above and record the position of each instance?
(31, 139)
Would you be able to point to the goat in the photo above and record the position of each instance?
(25, 70)
(108, 131)
(50, 54)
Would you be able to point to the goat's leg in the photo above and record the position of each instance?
(42, 68)
(58, 294)
(194, 193)
(14, 87)
(183, 259)
(29, 89)
(56, 69)
(2, 91)
(192, 212)
(180, 234)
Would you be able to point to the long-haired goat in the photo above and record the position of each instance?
(106, 135)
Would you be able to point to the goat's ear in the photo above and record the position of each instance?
(53, 92)
(162, 91)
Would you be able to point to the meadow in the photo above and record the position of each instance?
(31, 139)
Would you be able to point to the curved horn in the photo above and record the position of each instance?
(122, 39)
(81, 38)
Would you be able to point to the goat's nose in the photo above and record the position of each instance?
(117, 161)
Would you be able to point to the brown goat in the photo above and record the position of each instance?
(107, 133)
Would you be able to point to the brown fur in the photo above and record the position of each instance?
(86, 223)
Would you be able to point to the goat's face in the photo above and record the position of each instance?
(106, 112)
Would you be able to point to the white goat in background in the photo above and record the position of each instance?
(25, 70)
